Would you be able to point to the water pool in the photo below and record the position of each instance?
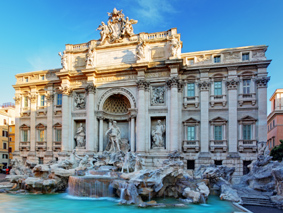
(64, 203)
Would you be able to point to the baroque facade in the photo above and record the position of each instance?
(138, 92)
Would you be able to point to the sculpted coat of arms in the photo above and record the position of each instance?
(117, 27)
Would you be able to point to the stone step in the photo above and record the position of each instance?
(257, 201)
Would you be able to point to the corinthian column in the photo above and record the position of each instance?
(49, 97)
(262, 107)
(66, 91)
(141, 143)
(91, 127)
(232, 86)
(174, 83)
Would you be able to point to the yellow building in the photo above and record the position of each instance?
(11, 134)
(4, 144)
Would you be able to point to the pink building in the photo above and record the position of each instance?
(275, 119)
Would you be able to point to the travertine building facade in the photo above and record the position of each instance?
(209, 105)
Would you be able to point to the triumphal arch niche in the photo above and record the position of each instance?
(116, 114)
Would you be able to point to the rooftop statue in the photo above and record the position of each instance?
(117, 27)
(63, 60)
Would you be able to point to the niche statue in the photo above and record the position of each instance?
(157, 135)
(80, 136)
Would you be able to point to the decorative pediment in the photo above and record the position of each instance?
(218, 120)
(40, 126)
(248, 119)
(57, 126)
(191, 121)
(24, 127)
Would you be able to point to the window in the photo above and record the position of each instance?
(191, 61)
(4, 145)
(5, 121)
(274, 106)
(26, 79)
(191, 90)
(25, 135)
(191, 133)
(218, 162)
(42, 100)
(247, 86)
(10, 139)
(4, 156)
(40, 135)
(245, 56)
(218, 88)
(4, 133)
(10, 150)
(273, 142)
(247, 129)
(10, 129)
(25, 101)
(58, 135)
(40, 160)
(59, 99)
(273, 123)
(217, 59)
(191, 164)
(42, 77)
(218, 133)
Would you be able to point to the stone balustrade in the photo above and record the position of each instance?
(191, 101)
(214, 99)
(191, 146)
(41, 145)
(247, 145)
(218, 145)
(24, 146)
(251, 97)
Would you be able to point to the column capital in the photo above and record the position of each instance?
(66, 90)
(175, 82)
(232, 84)
(133, 113)
(49, 96)
(262, 82)
(90, 88)
(143, 84)
(33, 98)
(17, 99)
(204, 85)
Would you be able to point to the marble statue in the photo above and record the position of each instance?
(80, 136)
(90, 58)
(139, 163)
(114, 134)
(104, 33)
(63, 60)
(85, 163)
(79, 100)
(117, 27)
(157, 95)
(157, 135)
(140, 51)
(175, 45)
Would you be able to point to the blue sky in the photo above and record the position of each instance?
(32, 32)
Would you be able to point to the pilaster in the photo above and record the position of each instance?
(49, 98)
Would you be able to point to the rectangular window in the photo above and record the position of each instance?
(247, 130)
(25, 135)
(26, 79)
(247, 86)
(4, 133)
(10, 129)
(41, 135)
(42, 100)
(4, 145)
(245, 56)
(218, 162)
(40, 160)
(191, 90)
(191, 164)
(218, 133)
(191, 61)
(58, 135)
(10, 150)
(218, 88)
(4, 156)
(217, 59)
(191, 133)
(273, 123)
(59, 99)
(25, 101)
(42, 77)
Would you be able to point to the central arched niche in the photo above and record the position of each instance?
(116, 107)
(116, 104)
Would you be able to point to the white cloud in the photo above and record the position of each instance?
(154, 11)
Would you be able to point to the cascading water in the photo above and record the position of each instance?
(90, 186)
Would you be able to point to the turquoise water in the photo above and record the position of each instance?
(65, 203)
